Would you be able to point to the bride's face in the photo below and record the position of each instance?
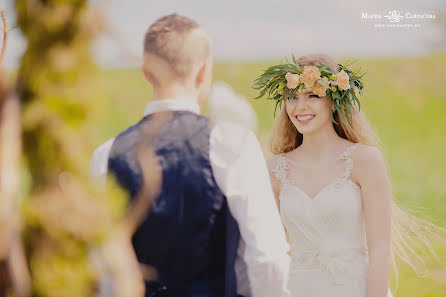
(309, 112)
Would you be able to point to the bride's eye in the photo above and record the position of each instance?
(314, 96)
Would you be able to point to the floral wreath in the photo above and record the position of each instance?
(282, 81)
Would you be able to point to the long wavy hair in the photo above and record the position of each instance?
(411, 237)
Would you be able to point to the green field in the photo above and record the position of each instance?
(406, 105)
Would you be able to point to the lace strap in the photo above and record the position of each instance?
(280, 171)
(349, 164)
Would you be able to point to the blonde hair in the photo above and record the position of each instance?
(410, 236)
(179, 41)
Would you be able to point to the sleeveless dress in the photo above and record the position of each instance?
(327, 235)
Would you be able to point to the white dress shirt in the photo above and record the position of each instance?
(240, 171)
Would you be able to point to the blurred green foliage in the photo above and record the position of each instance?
(54, 80)
(64, 217)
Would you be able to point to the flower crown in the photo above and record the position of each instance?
(283, 81)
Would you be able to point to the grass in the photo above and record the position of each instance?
(406, 105)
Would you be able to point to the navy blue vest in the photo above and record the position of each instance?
(189, 236)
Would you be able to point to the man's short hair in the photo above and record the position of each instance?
(170, 39)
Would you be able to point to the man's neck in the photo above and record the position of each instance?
(174, 92)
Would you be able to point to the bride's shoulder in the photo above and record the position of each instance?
(276, 161)
(367, 158)
(364, 152)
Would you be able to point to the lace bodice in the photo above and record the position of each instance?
(280, 171)
(326, 233)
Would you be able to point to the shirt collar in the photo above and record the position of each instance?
(172, 104)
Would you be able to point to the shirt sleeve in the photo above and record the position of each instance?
(241, 173)
(99, 162)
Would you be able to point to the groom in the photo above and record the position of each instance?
(214, 229)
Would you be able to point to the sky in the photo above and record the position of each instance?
(253, 30)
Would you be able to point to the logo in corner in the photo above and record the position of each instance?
(394, 16)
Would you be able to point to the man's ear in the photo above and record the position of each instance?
(201, 74)
(147, 75)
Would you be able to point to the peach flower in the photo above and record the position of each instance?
(292, 80)
(342, 80)
(319, 89)
(310, 75)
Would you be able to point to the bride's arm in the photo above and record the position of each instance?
(371, 174)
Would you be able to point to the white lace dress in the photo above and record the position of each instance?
(327, 235)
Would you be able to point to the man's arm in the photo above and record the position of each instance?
(240, 171)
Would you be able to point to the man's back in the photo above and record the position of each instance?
(189, 236)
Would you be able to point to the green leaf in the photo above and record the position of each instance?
(349, 106)
(281, 86)
(285, 94)
(349, 117)
(262, 93)
(326, 73)
(262, 80)
(338, 108)
(355, 98)
(279, 102)
(320, 81)
(296, 68)
(291, 95)
(273, 88)
(333, 108)
(336, 95)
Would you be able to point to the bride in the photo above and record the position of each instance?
(330, 182)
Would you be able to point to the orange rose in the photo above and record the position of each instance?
(292, 80)
(310, 75)
(319, 89)
(342, 80)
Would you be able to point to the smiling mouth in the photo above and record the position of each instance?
(303, 119)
